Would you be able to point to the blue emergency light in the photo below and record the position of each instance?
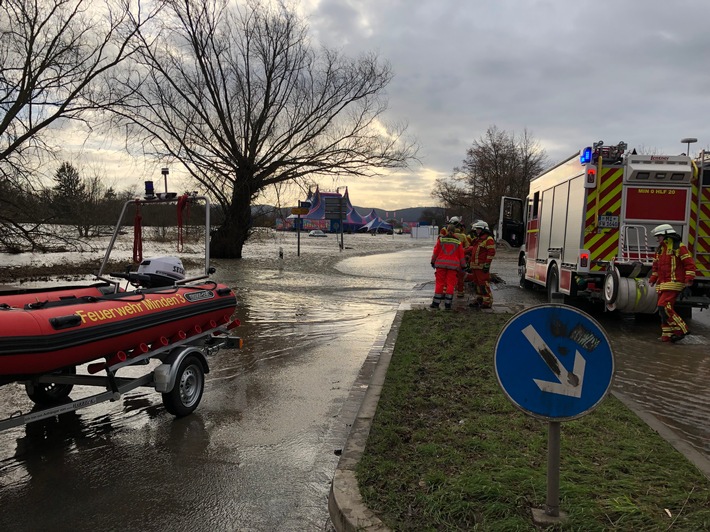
(585, 156)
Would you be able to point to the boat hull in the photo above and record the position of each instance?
(45, 331)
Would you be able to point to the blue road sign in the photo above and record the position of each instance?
(335, 226)
(554, 362)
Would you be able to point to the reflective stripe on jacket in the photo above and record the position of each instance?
(448, 254)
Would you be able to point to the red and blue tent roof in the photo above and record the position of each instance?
(372, 215)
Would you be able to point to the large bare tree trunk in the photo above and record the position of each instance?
(228, 240)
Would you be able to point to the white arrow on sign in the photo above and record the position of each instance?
(570, 383)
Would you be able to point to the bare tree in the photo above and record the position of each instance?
(238, 95)
(496, 165)
(54, 55)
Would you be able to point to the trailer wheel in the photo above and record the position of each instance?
(553, 283)
(187, 392)
(50, 393)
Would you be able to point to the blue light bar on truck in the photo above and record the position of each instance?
(585, 155)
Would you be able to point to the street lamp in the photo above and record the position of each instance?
(688, 141)
(165, 173)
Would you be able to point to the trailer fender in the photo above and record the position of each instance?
(165, 374)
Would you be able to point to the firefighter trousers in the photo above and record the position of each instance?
(671, 323)
(444, 284)
(482, 286)
(445, 281)
(459, 283)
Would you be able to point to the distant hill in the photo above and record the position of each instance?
(411, 214)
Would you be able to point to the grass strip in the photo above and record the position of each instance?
(448, 451)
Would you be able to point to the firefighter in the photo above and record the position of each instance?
(482, 251)
(460, 232)
(447, 259)
(673, 269)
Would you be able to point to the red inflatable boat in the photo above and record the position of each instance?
(160, 315)
(47, 330)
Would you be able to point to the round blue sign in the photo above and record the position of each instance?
(554, 362)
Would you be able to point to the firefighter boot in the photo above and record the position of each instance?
(678, 336)
(448, 300)
(436, 301)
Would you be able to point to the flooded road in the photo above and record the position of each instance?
(260, 450)
(258, 453)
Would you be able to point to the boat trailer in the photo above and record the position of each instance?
(180, 378)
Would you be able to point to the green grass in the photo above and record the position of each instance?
(448, 451)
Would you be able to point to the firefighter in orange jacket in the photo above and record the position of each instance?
(482, 251)
(448, 259)
(673, 269)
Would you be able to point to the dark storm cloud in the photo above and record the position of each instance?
(569, 72)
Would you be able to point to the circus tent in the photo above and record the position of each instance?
(376, 225)
(316, 217)
(372, 215)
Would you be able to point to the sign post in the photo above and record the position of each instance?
(302, 209)
(554, 362)
(334, 211)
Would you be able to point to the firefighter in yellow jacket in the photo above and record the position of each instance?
(482, 251)
(673, 269)
(447, 259)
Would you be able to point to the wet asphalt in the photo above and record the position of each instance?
(260, 451)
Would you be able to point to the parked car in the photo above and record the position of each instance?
(317, 232)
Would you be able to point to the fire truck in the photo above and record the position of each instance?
(588, 223)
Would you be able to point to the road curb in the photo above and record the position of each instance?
(693, 456)
(345, 505)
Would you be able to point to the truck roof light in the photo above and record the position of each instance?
(585, 156)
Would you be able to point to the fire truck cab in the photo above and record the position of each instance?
(588, 223)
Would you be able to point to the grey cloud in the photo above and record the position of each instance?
(569, 72)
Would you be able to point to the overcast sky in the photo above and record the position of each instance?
(571, 72)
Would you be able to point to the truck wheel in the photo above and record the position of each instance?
(187, 391)
(49, 393)
(553, 283)
(524, 283)
(611, 286)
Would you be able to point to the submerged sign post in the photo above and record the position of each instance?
(303, 208)
(334, 213)
(554, 362)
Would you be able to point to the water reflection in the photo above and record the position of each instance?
(667, 380)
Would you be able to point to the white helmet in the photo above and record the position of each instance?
(664, 229)
(480, 224)
(455, 220)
